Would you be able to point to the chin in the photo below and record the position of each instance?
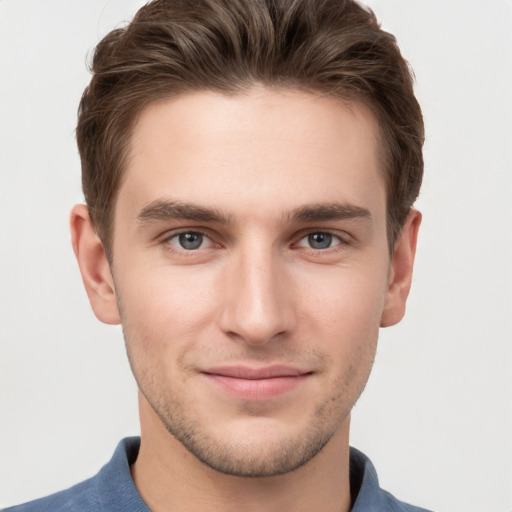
(254, 445)
(257, 457)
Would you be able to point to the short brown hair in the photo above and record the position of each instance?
(334, 47)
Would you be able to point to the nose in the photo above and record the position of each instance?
(257, 299)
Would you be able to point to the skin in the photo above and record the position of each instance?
(283, 195)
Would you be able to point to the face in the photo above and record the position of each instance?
(251, 271)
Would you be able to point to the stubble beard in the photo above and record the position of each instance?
(250, 457)
(243, 456)
(253, 458)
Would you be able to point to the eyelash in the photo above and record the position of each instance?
(166, 240)
(343, 241)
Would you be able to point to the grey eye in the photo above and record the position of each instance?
(190, 241)
(320, 240)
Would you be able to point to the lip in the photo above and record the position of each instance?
(256, 383)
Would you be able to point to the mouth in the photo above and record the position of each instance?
(256, 383)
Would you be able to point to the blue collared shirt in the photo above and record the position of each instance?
(113, 490)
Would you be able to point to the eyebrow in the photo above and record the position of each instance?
(328, 211)
(162, 210)
(166, 209)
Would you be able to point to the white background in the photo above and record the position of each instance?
(436, 418)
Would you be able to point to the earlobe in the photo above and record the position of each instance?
(400, 273)
(94, 266)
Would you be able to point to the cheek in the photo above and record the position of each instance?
(164, 309)
(345, 299)
(342, 313)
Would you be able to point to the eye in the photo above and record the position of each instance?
(320, 240)
(189, 241)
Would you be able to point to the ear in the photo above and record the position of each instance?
(400, 271)
(94, 266)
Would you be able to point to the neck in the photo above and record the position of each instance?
(169, 478)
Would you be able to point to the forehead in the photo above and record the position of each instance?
(272, 149)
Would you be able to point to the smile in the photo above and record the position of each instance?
(256, 384)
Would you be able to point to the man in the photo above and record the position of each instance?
(249, 170)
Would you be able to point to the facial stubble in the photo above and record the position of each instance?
(248, 457)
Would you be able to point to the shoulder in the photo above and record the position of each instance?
(111, 489)
(365, 488)
(80, 498)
